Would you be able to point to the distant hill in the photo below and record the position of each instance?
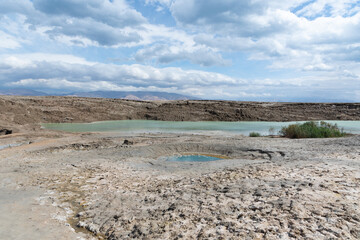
(143, 96)
(134, 95)
(21, 92)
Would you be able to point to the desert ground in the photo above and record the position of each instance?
(57, 185)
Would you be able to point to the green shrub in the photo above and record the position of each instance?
(254, 134)
(312, 130)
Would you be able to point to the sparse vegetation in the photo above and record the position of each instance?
(254, 134)
(271, 131)
(312, 130)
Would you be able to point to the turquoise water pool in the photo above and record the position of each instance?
(141, 126)
(192, 158)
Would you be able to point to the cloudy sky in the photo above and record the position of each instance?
(273, 50)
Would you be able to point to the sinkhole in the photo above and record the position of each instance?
(194, 158)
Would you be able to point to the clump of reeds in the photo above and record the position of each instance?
(312, 130)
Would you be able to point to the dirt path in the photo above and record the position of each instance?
(29, 211)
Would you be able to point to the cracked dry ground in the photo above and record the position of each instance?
(288, 198)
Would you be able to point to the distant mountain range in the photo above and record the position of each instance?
(133, 95)
(21, 92)
(142, 96)
(149, 96)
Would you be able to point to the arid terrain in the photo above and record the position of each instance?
(56, 185)
(27, 112)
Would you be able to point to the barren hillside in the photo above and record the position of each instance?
(29, 111)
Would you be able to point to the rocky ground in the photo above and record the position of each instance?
(93, 186)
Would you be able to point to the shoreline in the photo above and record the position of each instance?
(25, 113)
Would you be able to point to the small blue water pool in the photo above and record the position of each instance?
(192, 158)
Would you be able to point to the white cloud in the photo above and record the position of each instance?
(103, 22)
(83, 23)
(278, 32)
(118, 12)
(331, 8)
(25, 60)
(163, 53)
(8, 41)
(166, 3)
(70, 73)
(62, 84)
(16, 6)
(44, 71)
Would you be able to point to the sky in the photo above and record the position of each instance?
(262, 50)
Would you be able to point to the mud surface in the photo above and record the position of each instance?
(93, 186)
